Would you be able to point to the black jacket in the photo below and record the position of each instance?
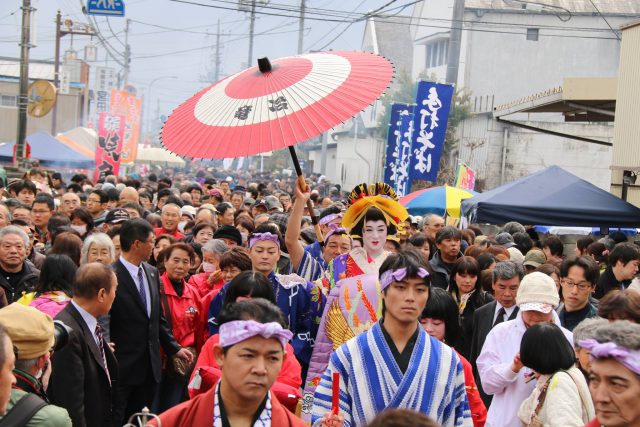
(476, 301)
(608, 282)
(441, 271)
(482, 324)
(27, 283)
(79, 381)
(138, 337)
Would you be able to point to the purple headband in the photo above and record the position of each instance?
(398, 275)
(625, 356)
(334, 229)
(256, 237)
(327, 219)
(241, 330)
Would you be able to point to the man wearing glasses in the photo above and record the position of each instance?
(578, 278)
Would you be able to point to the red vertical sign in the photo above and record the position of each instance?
(109, 148)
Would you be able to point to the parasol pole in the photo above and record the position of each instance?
(303, 186)
(264, 65)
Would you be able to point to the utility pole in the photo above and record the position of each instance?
(23, 99)
(301, 26)
(455, 40)
(69, 28)
(216, 75)
(56, 73)
(252, 23)
(127, 53)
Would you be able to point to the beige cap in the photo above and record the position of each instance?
(537, 292)
(30, 330)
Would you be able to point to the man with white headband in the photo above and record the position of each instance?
(395, 364)
(300, 301)
(614, 379)
(250, 353)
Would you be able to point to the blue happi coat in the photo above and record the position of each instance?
(301, 302)
(371, 381)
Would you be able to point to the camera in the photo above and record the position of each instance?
(60, 335)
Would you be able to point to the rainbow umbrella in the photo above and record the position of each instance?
(436, 200)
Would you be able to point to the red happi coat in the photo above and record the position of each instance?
(199, 412)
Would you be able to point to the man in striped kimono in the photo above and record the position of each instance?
(396, 364)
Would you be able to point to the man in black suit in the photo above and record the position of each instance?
(85, 370)
(137, 325)
(506, 280)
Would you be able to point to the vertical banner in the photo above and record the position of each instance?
(433, 102)
(104, 80)
(465, 177)
(123, 103)
(109, 147)
(405, 129)
(393, 142)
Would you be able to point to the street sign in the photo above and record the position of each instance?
(105, 7)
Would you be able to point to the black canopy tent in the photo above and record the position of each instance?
(551, 196)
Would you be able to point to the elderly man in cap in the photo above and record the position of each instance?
(533, 259)
(501, 371)
(114, 217)
(31, 333)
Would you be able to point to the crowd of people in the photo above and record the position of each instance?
(238, 300)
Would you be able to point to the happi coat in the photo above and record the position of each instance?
(371, 381)
(199, 412)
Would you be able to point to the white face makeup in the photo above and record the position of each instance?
(374, 236)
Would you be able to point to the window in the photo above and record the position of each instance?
(8, 100)
(532, 34)
(437, 53)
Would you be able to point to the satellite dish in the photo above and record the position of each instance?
(42, 96)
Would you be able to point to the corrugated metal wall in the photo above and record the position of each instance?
(626, 142)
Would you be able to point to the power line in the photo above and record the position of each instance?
(387, 21)
(210, 46)
(605, 20)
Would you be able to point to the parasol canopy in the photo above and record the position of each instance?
(436, 200)
(276, 105)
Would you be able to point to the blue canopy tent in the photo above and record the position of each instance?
(50, 152)
(551, 196)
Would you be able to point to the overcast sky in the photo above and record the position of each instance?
(155, 50)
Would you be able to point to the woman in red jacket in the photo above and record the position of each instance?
(181, 307)
(248, 285)
(440, 319)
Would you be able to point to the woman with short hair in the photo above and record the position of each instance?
(98, 247)
(561, 397)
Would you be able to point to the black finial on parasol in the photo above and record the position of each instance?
(264, 65)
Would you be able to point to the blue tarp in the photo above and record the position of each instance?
(49, 151)
(551, 196)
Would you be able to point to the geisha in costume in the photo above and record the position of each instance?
(353, 302)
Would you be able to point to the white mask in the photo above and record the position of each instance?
(207, 267)
(181, 225)
(82, 229)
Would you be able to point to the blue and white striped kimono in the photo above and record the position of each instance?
(371, 381)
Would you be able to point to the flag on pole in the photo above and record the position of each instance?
(433, 102)
(405, 130)
(465, 177)
(393, 142)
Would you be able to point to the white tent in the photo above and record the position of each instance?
(158, 155)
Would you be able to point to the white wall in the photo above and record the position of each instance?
(481, 144)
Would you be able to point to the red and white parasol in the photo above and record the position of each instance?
(273, 106)
(276, 105)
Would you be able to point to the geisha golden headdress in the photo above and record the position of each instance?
(378, 195)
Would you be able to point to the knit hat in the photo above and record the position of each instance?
(30, 330)
(535, 258)
(228, 232)
(537, 292)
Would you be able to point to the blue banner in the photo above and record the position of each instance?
(405, 132)
(433, 102)
(393, 143)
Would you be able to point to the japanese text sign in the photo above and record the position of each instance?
(433, 102)
(109, 147)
